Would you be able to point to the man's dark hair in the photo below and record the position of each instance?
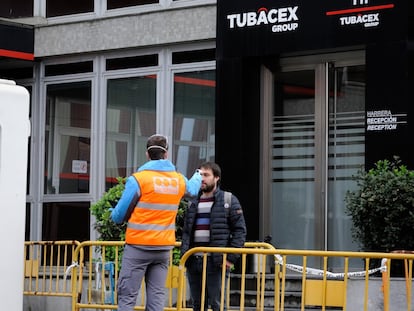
(157, 146)
(214, 167)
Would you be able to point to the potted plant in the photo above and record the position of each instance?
(382, 207)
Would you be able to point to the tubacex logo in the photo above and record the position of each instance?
(360, 14)
(281, 19)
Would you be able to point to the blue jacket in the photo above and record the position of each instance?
(132, 192)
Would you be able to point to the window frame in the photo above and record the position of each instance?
(101, 11)
(98, 78)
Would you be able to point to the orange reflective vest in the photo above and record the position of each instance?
(153, 220)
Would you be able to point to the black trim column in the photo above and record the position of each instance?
(390, 89)
(238, 134)
(16, 41)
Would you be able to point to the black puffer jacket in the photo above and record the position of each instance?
(227, 228)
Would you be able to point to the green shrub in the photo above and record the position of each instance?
(108, 230)
(382, 207)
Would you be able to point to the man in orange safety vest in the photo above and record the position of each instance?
(149, 203)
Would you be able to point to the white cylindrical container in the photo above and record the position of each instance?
(14, 133)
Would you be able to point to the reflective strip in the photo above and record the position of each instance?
(150, 227)
(159, 207)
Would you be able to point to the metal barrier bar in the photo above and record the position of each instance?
(93, 279)
(96, 298)
(328, 281)
(101, 277)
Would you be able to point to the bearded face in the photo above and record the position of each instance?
(209, 181)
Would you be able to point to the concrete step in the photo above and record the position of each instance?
(292, 297)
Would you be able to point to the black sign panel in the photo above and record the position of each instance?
(266, 27)
(16, 40)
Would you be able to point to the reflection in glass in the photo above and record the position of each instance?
(63, 7)
(194, 115)
(16, 9)
(306, 215)
(293, 176)
(27, 223)
(116, 4)
(130, 119)
(346, 149)
(67, 138)
(66, 221)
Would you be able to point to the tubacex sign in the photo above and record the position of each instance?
(257, 27)
(368, 16)
(286, 18)
(281, 19)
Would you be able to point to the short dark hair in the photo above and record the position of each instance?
(157, 146)
(214, 167)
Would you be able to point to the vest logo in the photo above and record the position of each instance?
(165, 185)
(281, 19)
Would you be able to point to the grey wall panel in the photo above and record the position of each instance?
(139, 30)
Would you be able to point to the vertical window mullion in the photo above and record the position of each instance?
(165, 101)
(39, 8)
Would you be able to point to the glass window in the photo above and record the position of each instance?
(130, 120)
(66, 221)
(116, 4)
(132, 62)
(193, 56)
(67, 138)
(14, 73)
(69, 68)
(317, 146)
(293, 163)
(346, 150)
(62, 7)
(194, 116)
(27, 223)
(16, 8)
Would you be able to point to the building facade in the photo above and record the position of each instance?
(316, 91)
(290, 98)
(104, 77)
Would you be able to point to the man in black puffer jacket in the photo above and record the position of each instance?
(211, 221)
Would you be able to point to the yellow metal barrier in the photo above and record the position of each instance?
(90, 280)
(321, 288)
(45, 264)
(98, 289)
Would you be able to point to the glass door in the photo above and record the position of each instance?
(346, 152)
(317, 144)
(293, 160)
